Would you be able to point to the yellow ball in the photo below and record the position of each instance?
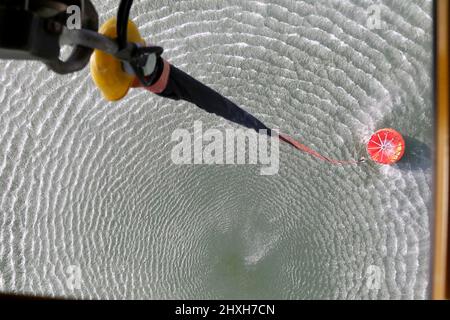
(106, 70)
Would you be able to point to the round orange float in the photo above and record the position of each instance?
(386, 146)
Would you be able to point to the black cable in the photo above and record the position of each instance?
(122, 22)
(139, 55)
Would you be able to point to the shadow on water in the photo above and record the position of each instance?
(418, 155)
(418, 138)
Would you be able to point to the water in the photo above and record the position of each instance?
(90, 184)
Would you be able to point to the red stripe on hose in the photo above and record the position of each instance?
(159, 85)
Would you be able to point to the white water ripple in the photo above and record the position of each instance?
(90, 184)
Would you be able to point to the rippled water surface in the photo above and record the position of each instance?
(90, 184)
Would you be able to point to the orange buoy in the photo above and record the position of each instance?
(386, 146)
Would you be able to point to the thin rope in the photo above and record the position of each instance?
(302, 147)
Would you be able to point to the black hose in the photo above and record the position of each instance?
(182, 86)
(122, 22)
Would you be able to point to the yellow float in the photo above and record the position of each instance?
(106, 70)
